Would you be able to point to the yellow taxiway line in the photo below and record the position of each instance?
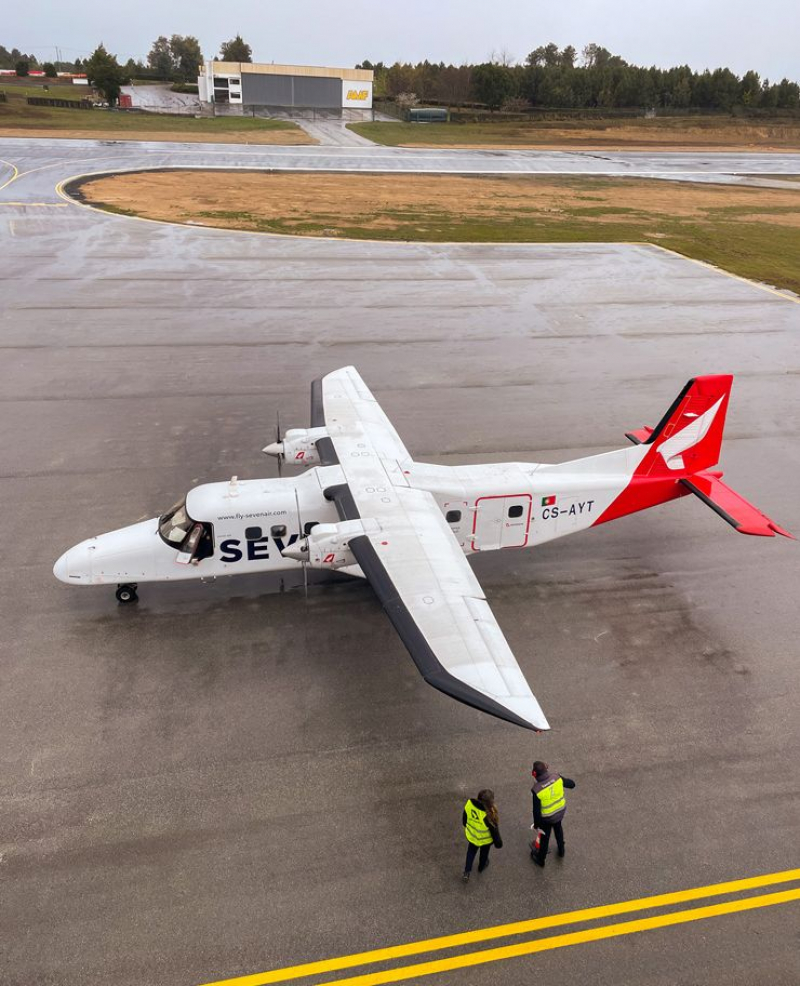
(536, 924)
(13, 177)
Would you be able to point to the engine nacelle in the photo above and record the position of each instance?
(299, 446)
(327, 546)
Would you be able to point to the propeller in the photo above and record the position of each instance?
(300, 542)
(276, 448)
(279, 441)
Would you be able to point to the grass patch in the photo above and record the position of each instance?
(17, 115)
(663, 133)
(754, 232)
(55, 90)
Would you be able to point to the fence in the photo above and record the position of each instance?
(68, 104)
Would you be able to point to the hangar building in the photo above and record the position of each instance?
(287, 89)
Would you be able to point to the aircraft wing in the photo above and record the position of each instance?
(414, 563)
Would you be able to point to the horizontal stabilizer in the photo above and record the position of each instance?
(733, 508)
(640, 436)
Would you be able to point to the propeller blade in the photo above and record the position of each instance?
(302, 534)
(279, 441)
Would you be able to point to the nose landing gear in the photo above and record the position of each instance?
(127, 593)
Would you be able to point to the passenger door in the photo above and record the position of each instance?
(501, 522)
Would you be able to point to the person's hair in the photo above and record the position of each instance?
(539, 767)
(486, 798)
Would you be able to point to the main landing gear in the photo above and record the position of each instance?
(127, 593)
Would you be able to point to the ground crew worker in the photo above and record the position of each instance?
(481, 826)
(549, 806)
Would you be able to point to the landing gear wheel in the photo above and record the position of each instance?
(126, 593)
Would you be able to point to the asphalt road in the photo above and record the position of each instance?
(225, 779)
(45, 160)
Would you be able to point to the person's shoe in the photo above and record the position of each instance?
(483, 866)
(465, 877)
(537, 859)
(560, 853)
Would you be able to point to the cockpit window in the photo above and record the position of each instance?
(175, 524)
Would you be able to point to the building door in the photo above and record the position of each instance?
(501, 522)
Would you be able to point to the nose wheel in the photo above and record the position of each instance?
(127, 593)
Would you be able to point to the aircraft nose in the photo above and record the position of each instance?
(61, 568)
(74, 565)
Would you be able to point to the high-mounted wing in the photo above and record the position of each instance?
(414, 563)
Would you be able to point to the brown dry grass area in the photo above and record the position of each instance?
(181, 136)
(245, 199)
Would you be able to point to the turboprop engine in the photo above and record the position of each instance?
(299, 445)
(327, 546)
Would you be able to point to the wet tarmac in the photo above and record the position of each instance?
(225, 778)
(43, 163)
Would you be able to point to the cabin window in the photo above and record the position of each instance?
(252, 533)
(453, 516)
(309, 527)
(515, 511)
(175, 526)
(278, 530)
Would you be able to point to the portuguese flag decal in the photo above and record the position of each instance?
(548, 501)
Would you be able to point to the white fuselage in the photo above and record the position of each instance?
(248, 523)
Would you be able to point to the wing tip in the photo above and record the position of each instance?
(443, 681)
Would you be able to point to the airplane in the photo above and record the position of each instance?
(368, 509)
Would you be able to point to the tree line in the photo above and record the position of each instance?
(557, 78)
(549, 78)
(175, 59)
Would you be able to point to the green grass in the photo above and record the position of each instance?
(17, 114)
(57, 90)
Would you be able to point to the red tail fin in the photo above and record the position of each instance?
(688, 437)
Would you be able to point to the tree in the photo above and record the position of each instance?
(49, 70)
(596, 56)
(187, 58)
(160, 58)
(493, 84)
(724, 89)
(237, 50)
(788, 95)
(21, 68)
(405, 100)
(547, 55)
(105, 74)
(769, 96)
(567, 57)
(750, 89)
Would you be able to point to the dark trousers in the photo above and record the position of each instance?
(547, 828)
(472, 852)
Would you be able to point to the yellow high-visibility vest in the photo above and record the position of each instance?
(551, 798)
(476, 829)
